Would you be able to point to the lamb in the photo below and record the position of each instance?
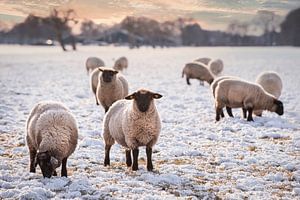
(251, 96)
(271, 82)
(93, 63)
(121, 63)
(111, 87)
(133, 124)
(196, 70)
(52, 135)
(216, 66)
(203, 60)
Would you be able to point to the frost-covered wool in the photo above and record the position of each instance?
(243, 94)
(121, 63)
(93, 63)
(272, 83)
(197, 70)
(109, 92)
(204, 60)
(51, 127)
(216, 66)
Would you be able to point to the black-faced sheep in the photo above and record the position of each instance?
(133, 124)
(242, 94)
(111, 87)
(52, 135)
(196, 70)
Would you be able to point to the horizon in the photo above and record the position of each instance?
(211, 15)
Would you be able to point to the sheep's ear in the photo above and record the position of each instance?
(54, 161)
(131, 96)
(100, 69)
(156, 96)
(115, 72)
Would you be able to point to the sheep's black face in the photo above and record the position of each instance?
(108, 75)
(143, 99)
(279, 107)
(43, 159)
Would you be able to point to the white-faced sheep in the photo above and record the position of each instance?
(111, 87)
(133, 124)
(93, 63)
(216, 66)
(196, 70)
(52, 135)
(204, 60)
(242, 94)
(121, 64)
(271, 82)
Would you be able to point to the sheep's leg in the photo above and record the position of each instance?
(222, 113)
(188, 81)
(32, 155)
(201, 83)
(135, 165)
(128, 158)
(149, 158)
(250, 110)
(54, 173)
(64, 167)
(218, 113)
(244, 113)
(229, 111)
(97, 103)
(106, 159)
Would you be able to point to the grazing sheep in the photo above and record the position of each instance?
(216, 66)
(242, 94)
(93, 63)
(203, 60)
(51, 137)
(121, 63)
(213, 88)
(133, 124)
(271, 82)
(196, 70)
(111, 87)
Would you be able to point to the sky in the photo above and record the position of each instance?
(211, 14)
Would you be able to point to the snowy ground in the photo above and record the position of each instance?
(194, 158)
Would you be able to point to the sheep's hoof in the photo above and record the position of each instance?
(150, 168)
(54, 173)
(134, 168)
(32, 170)
(250, 120)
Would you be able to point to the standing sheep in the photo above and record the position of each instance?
(242, 94)
(196, 70)
(133, 124)
(271, 82)
(93, 63)
(216, 66)
(204, 60)
(52, 135)
(121, 64)
(111, 87)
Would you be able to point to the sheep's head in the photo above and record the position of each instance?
(277, 107)
(47, 163)
(143, 99)
(108, 75)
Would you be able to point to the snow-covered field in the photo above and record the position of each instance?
(194, 158)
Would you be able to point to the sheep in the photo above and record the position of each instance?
(94, 82)
(121, 63)
(271, 82)
(251, 96)
(213, 88)
(196, 70)
(51, 137)
(93, 63)
(216, 66)
(111, 87)
(203, 60)
(133, 124)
